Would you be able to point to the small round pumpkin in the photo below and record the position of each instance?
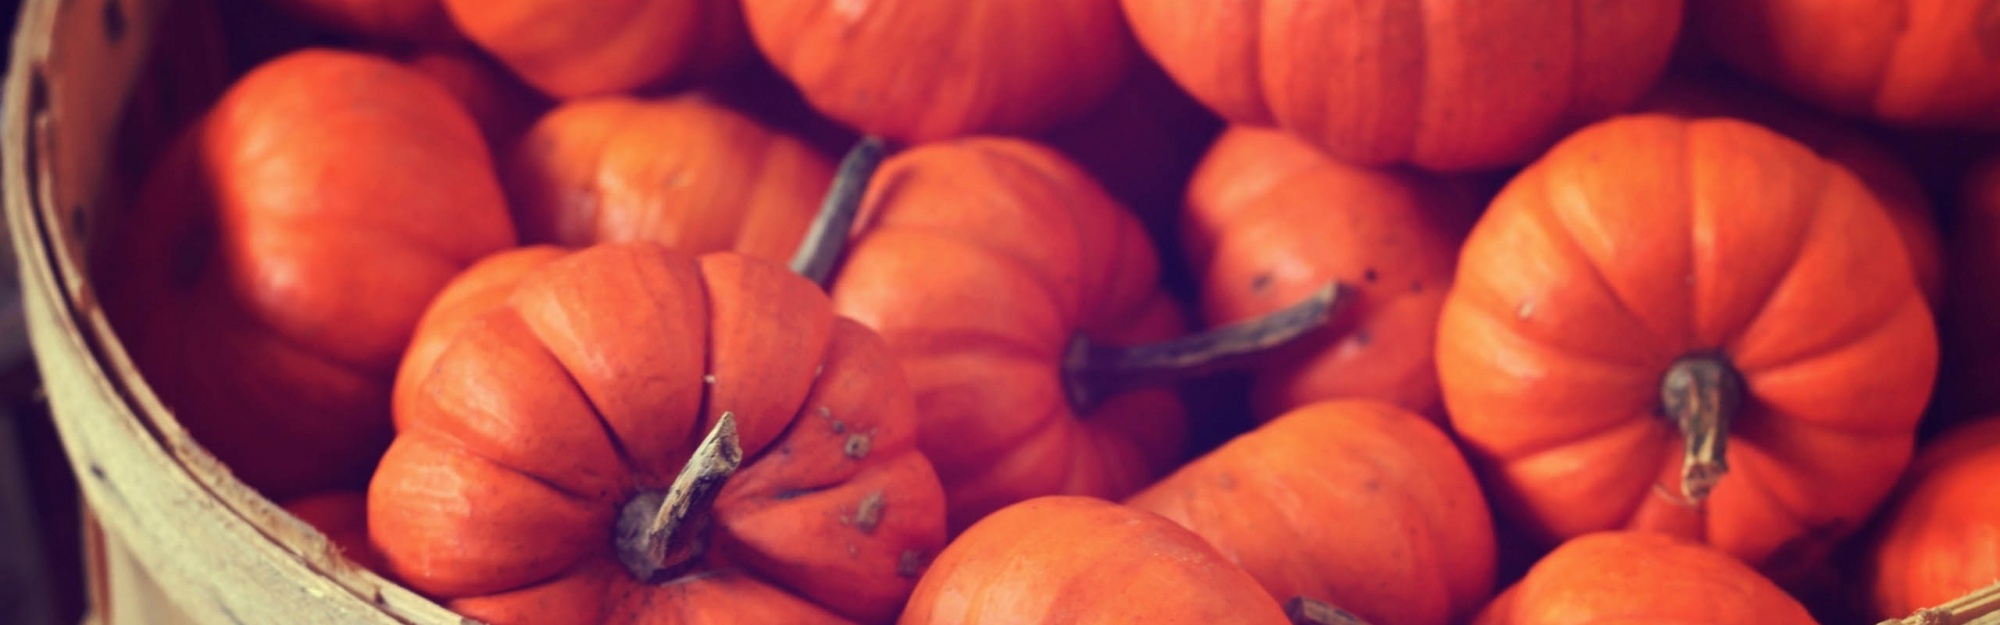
(681, 171)
(1939, 538)
(1463, 85)
(1641, 577)
(628, 433)
(234, 283)
(984, 263)
(1269, 219)
(1355, 502)
(1929, 63)
(570, 49)
(920, 70)
(1082, 560)
(1690, 326)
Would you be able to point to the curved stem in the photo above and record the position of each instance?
(659, 534)
(1309, 611)
(1702, 394)
(827, 237)
(1092, 372)
(1965, 610)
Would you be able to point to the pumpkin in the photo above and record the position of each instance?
(681, 171)
(1083, 560)
(233, 284)
(1631, 577)
(1892, 182)
(389, 20)
(571, 49)
(1356, 502)
(1928, 63)
(1690, 326)
(919, 71)
(1269, 219)
(343, 517)
(1972, 302)
(631, 433)
(1939, 538)
(502, 105)
(1463, 85)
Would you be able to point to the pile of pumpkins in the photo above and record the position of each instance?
(1019, 311)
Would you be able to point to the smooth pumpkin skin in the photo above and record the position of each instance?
(1444, 85)
(1926, 63)
(1646, 238)
(503, 106)
(1972, 339)
(1269, 219)
(978, 260)
(920, 71)
(235, 281)
(343, 517)
(1064, 559)
(545, 411)
(392, 20)
(1885, 174)
(571, 49)
(680, 171)
(1940, 537)
(1357, 503)
(1642, 577)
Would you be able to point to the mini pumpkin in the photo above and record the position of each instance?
(1630, 577)
(570, 49)
(919, 71)
(1939, 539)
(1269, 219)
(1083, 560)
(630, 433)
(681, 171)
(1355, 502)
(1690, 326)
(1463, 85)
(320, 175)
(1932, 63)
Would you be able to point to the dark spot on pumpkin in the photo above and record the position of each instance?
(1368, 275)
(910, 564)
(1373, 486)
(1416, 287)
(1539, 65)
(1259, 283)
(193, 250)
(857, 446)
(794, 493)
(114, 21)
(1362, 338)
(868, 513)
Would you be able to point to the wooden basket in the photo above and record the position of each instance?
(182, 539)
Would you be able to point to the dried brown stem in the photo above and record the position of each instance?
(1979, 607)
(660, 533)
(827, 237)
(1308, 611)
(1092, 372)
(1702, 394)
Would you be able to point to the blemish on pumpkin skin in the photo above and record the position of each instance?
(1260, 283)
(910, 564)
(827, 413)
(708, 379)
(857, 445)
(1368, 275)
(868, 513)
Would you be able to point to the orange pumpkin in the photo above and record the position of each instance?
(343, 517)
(1081, 560)
(921, 71)
(393, 20)
(1269, 219)
(1940, 537)
(236, 282)
(1883, 171)
(503, 106)
(1641, 577)
(546, 466)
(1688, 326)
(983, 262)
(1908, 62)
(571, 49)
(1465, 85)
(1972, 303)
(680, 171)
(1356, 502)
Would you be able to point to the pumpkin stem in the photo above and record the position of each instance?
(1966, 609)
(1309, 611)
(659, 534)
(827, 237)
(1702, 394)
(1092, 372)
